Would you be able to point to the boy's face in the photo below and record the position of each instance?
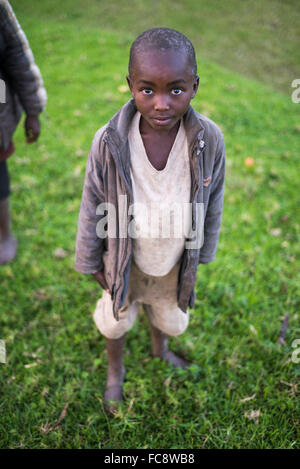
(162, 84)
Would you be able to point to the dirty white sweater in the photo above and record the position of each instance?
(161, 209)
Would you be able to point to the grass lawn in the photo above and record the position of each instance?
(242, 391)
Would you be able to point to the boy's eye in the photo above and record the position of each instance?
(147, 91)
(177, 91)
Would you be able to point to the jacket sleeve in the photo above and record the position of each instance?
(213, 216)
(18, 64)
(89, 247)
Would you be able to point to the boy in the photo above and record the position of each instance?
(155, 151)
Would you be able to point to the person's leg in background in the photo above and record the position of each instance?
(8, 243)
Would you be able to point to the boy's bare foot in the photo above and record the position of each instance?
(160, 349)
(115, 374)
(113, 395)
(8, 249)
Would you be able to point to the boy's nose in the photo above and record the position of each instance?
(161, 103)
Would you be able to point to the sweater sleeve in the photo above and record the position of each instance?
(89, 247)
(18, 63)
(214, 212)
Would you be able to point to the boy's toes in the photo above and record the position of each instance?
(113, 396)
(176, 361)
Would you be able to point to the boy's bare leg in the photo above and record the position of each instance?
(160, 349)
(8, 243)
(115, 372)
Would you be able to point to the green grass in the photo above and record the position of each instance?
(242, 297)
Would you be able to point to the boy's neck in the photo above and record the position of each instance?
(157, 144)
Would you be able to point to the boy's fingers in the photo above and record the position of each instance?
(103, 282)
(99, 276)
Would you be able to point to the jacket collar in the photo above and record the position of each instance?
(118, 128)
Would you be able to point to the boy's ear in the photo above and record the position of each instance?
(195, 86)
(129, 81)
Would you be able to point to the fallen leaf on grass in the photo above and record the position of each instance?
(248, 398)
(45, 391)
(167, 381)
(275, 232)
(253, 415)
(46, 428)
(123, 88)
(190, 344)
(29, 354)
(30, 365)
(77, 171)
(252, 329)
(146, 360)
(230, 385)
(293, 386)
(205, 441)
(34, 354)
(60, 253)
(130, 405)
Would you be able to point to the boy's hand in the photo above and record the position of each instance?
(32, 128)
(99, 276)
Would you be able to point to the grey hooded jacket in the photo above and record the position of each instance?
(108, 176)
(21, 84)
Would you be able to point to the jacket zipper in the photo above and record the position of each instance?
(111, 146)
(196, 148)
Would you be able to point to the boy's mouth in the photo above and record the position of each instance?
(162, 120)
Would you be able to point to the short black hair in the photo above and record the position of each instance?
(162, 39)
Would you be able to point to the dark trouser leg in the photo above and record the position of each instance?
(4, 181)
